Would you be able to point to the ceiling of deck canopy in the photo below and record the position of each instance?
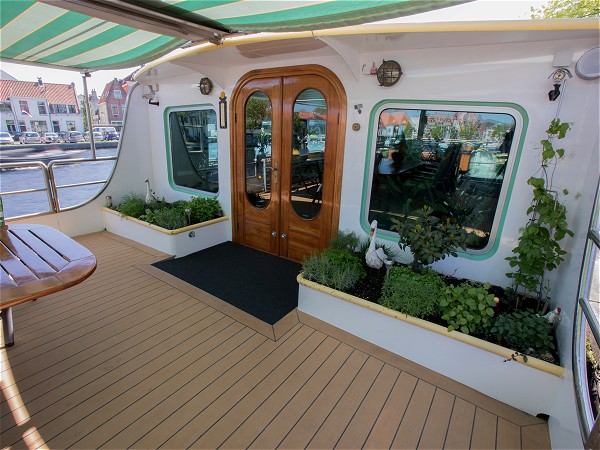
(112, 34)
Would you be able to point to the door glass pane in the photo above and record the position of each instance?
(258, 116)
(308, 153)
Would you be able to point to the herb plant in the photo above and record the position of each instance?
(467, 307)
(538, 249)
(132, 205)
(429, 238)
(167, 217)
(203, 209)
(336, 268)
(170, 215)
(525, 332)
(415, 294)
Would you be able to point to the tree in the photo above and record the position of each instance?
(84, 117)
(567, 9)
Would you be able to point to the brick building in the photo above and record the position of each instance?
(38, 106)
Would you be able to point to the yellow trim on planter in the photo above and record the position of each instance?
(504, 352)
(164, 230)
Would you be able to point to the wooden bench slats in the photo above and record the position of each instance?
(40, 248)
(35, 264)
(64, 245)
(37, 260)
(6, 282)
(19, 272)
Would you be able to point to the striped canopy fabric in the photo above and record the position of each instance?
(112, 34)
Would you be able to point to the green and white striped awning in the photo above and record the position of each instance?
(112, 34)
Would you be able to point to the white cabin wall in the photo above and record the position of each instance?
(135, 160)
(181, 90)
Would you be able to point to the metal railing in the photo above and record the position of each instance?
(50, 186)
(584, 314)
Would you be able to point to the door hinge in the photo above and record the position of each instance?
(234, 117)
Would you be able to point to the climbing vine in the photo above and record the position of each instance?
(538, 250)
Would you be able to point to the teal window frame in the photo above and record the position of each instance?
(521, 125)
(169, 155)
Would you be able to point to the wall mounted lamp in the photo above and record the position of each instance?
(388, 73)
(205, 86)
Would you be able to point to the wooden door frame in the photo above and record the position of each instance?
(309, 69)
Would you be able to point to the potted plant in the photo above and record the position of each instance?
(420, 317)
(177, 228)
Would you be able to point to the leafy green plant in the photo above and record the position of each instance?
(429, 238)
(467, 307)
(170, 215)
(203, 209)
(415, 294)
(345, 240)
(523, 331)
(167, 217)
(132, 205)
(336, 268)
(538, 249)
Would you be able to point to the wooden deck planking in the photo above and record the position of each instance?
(127, 360)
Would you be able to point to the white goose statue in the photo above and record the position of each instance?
(375, 257)
(149, 195)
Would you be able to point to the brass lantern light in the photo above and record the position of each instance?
(205, 86)
(388, 73)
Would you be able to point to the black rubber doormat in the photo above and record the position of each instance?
(256, 282)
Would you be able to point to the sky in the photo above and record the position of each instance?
(477, 10)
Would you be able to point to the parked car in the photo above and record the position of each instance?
(16, 135)
(50, 138)
(61, 136)
(6, 138)
(73, 137)
(97, 136)
(112, 136)
(31, 137)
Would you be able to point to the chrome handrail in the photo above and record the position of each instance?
(584, 314)
(35, 164)
(65, 162)
(51, 188)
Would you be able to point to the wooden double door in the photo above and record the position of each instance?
(287, 159)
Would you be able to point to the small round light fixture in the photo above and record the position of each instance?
(205, 86)
(388, 73)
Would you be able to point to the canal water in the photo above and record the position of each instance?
(33, 178)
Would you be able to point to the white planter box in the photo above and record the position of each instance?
(180, 242)
(530, 387)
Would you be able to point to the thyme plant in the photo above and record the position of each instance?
(538, 249)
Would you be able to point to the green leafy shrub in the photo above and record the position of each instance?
(170, 215)
(167, 217)
(203, 209)
(132, 205)
(525, 332)
(336, 268)
(429, 238)
(415, 294)
(345, 240)
(467, 307)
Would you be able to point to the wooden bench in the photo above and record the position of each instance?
(37, 260)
